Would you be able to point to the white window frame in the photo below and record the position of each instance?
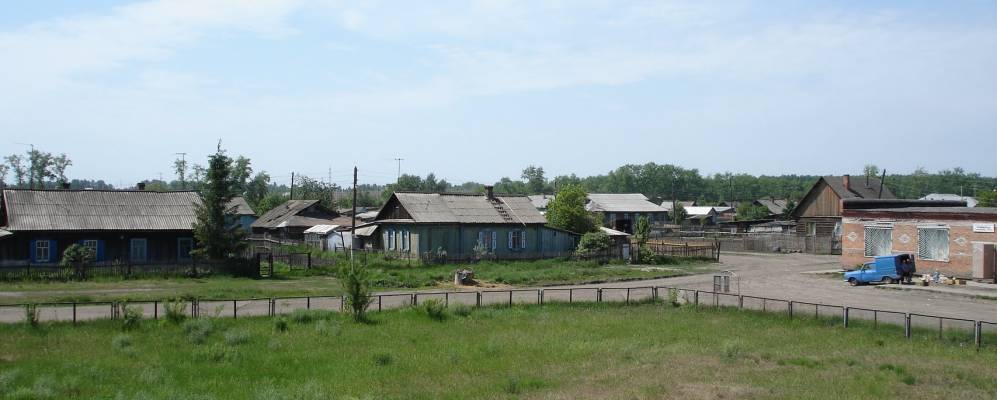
(391, 239)
(39, 248)
(180, 255)
(517, 239)
(145, 249)
(90, 244)
(865, 241)
(405, 240)
(948, 249)
(811, 228)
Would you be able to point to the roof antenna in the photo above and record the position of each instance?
(881, 181)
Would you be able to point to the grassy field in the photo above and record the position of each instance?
(386, 275)
(552, 351)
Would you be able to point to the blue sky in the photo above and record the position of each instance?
(477, 90)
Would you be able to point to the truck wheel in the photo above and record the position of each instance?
(853, 282)
(888, 280)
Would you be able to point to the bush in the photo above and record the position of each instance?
(132, 317)
(175, 311)
(121, 342)
(215, 353)
(198, 330)
(461, 310)
(302, 316)
(235, 338)
(593, 243)
(355, 279)
(31, 315)
(731, 350)
(434, 309)
(280, 324)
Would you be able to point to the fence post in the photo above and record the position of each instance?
(446, 299)
(628, 296)
(74, 313)
(378, 302)
(155, 309)
(907, 325)
(598, 295)
(654, 293)
(695, 297)
(740, 301)
(477, 299)
(790, 309)
(415, 299)
(978, 334)
(844, 315)
(571, 295)
(235, 309)
(308, 303)
(510, 298)
(540, 295)
(309, 260)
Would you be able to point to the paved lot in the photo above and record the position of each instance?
(781, 276)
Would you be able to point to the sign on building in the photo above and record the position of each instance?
(983, 228)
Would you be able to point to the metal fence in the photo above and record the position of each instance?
(761, 242)
(191, 268)
(911, 325)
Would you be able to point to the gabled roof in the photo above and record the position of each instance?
(621, 202)
(667, 204)
(239, 206)
(861, 187)
(94, 210)
(700, 211)
(287, 215)
(321, 229)
(540, 201)
(464, 208)
(775, 206)
(612, 232)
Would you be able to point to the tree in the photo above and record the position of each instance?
(356, 283)
(871, 170)
(747, 212)
(216, 237)
(4, 169)
(17, 165)
(269, 202)
(987, 199)
(59, 165)
(642, 231)
(535, 181)
(257, 189)
(77, 257)
(241, 172)
(180, 168)
(567, 210)
(39, 167)
(593, 243)
(787, 212)
(509, 186)
(678, 214)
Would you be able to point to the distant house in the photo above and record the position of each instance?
(970, 201)
(434, 224)
(36, 226)
(773, 227)
(956, 241)
(241, 213)
(540, 201)
(291, 219)
(819, 211)
(701, 215)
(725, 213)
(776, 207)
(328, 237)
(621, 210)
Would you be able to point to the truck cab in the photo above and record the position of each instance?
(884, 269)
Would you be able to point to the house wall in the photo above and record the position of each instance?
(112, 246)
(459, 240)
(964, 244)
(825, 204)
(824, 226)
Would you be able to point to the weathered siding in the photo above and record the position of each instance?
(112, 246)
(459, 240)
(825, 204)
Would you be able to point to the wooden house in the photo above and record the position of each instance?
(465, 226)
(819, 211)
(36, 226)
(289, 221)
(620, 211)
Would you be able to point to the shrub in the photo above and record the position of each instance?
(355, 279)
(132, 317)
(383, 359)
(731, 350)
(198, 330)
(235, 338)
(302, 316)
(329, 327)
(280, 324)
(517, 386)
(215, 353)
(7, 379)
(593, 243)
(175, 311)
(121, 341)
(31, 315)
(461, 310)
(434, 309)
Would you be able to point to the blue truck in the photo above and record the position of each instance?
(883, 269)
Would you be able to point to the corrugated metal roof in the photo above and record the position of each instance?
(321, 229)
(866, 188)
(612, 232)
(468, 208)
(540, 201)
(775, 206)
(970, 202)
(699, 211)
(286, 215)
(621, 202)
(45, 210)
(239, 206)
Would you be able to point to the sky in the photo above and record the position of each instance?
(478, 90)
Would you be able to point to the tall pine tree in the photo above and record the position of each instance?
(216, 234)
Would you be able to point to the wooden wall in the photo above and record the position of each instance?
(825, 204)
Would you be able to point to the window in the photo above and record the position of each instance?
(878, 240)
(811, 229)
(43, 253)
(488, 239)
(405, 240)
(933, 243)
(612, 216)
(184, 247)
(391, 239)
(517, 239)
(139, 250)
(837, 229)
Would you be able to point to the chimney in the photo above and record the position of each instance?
(490, 192)
(848, 182)
(141, 186)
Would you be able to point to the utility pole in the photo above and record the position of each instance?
(292, 186)
(399, 169)
(353, 224)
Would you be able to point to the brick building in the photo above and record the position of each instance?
(956, 241)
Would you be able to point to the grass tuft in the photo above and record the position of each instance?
(383, 359)
(302, 316)
(514, 386)
(280, 324)
(730, 351)
(198, 330)
(434, 309)
(235, 338)
(461, 310)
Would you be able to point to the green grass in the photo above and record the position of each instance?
(387, 274)
(551, 351)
